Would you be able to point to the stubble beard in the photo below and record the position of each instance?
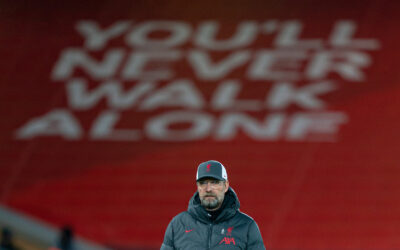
(211, 204)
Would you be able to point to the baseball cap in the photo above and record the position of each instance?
(213, 169)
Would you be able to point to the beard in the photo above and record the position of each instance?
(211, 204)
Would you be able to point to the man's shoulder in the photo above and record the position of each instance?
(181, 217)
(244, 217)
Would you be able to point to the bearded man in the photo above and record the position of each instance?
(213, 219)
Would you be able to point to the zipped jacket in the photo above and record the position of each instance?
(195, 230)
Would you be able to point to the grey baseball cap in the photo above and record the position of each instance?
(212, 169)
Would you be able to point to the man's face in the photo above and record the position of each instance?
(212, 192)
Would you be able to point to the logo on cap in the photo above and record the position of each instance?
(218, 170)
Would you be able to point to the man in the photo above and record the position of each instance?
(213, 219)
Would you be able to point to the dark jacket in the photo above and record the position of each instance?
(194, 229)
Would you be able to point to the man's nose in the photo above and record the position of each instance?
(208, 187)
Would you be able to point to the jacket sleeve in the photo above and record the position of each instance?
(255, 241)
(168, 243)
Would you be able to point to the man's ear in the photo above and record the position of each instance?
(226, 186)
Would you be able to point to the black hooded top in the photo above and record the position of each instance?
(228, 228)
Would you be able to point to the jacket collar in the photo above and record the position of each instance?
(231, 206)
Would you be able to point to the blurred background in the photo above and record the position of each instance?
(109, 106)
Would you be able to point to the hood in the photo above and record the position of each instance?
(230, 207)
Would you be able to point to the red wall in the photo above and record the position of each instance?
(303, 110)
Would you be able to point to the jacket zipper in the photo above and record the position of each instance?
(209, 236)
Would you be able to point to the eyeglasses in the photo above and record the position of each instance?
(213, 183)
